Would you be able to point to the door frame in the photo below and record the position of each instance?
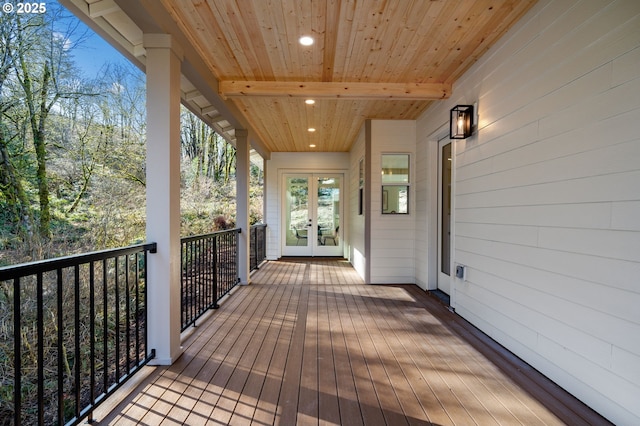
(444, 282)
(313, 248)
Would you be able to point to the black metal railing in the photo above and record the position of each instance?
(74, 330)
(209, 271)
(257, 245)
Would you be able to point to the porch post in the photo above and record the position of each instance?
(264, 190)
(243, 170)
(163, 195)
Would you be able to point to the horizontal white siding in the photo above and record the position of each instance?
(392, 236)
(356, 220)
(425, 178)
(547, 197)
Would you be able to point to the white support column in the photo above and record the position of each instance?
(243, 170)
(163, 195)
(264, 190)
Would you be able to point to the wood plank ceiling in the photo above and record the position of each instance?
(370, 59)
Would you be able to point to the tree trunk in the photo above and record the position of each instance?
(39, 142)
(12, 189)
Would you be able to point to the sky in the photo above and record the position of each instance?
(91, 53)
(89, 50)
(94, 53)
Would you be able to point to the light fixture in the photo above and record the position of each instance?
(312, 145)
(311, 129)
(306, 40)
(309, 102)
(461, 122)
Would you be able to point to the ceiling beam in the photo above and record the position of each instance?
(102, 8)
(335, 90)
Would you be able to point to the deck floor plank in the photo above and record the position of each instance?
(235, 387)
(505, 392)
(248, 401)
(480, 387)
(386, 344)
(219, 386)
(368, 334)
(434, 395)
(454, 392)
(370, 407)
(267, 406)
(309, 343)
(190, 371)
(308, 402)
(287, 410)
(329, 407)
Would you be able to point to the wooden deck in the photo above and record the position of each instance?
(309, 343)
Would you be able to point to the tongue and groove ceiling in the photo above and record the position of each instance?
(370, 58)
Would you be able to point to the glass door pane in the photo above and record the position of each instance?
(328, 211)
(445, 213)
(312, 211)
(297, 211)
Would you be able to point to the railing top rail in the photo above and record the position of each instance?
(201, 236)
(30, 268)
(259, 225)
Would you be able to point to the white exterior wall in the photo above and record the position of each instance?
(547, 198)
(392, 239)
(356, 244)
(426, 220)
(298, 162)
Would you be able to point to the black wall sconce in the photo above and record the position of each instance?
(461, 122)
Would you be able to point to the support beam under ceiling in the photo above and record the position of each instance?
(336, 90)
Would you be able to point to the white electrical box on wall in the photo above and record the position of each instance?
(461, 272)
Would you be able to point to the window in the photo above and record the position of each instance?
(361, 188)
(395, 183)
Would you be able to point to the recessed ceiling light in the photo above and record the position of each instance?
(309, 102)
(306, 41)
(311, 129)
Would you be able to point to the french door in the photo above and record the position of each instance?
(445, 160)
(311, 215)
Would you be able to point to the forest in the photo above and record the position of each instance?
(72, 149)
(72, 180)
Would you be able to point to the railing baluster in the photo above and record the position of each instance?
(209, 270)
(40, 320)
(183, 278)
(228, 259)
(258, 245)
(92, 342)
(105, 327)
(17, 353)
(237, 268)
(137, 307)
(116, 307)
(192, 292)
(186, 290)
(209, 299)
(214, 268)
(146, 306)
(60, 350)
(127, 308)
(200, 283)
(77, 356)
(54, 284)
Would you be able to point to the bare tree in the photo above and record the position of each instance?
(43, 71)
(10, 180)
